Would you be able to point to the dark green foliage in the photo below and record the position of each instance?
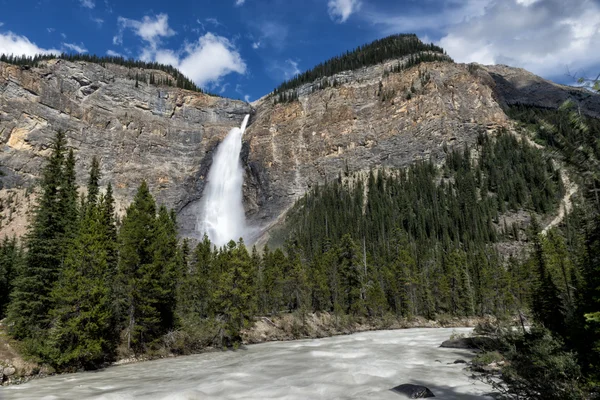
(48, 238)
(538, 367)
(427, 238)
(180, 80)
(381, 50)
(11, 258)
(234, 296)
(147, 258)
(547, 307)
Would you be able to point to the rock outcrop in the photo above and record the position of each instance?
(162, 134)
(371, 118)
(413, 391)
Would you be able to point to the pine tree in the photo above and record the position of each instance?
(45, 244)
(83, 324)
(234, 297)
(137, 277)
(166, 270)
(10, 265)
(547, 306)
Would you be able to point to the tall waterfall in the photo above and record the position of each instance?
(222, 217)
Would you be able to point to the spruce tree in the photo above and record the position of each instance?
(83, 321)
(10, 265)
(45, 243)
(235, 295)
(137, 278)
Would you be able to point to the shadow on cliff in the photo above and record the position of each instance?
(545, 94)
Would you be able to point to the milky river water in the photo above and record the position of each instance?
(360, 366)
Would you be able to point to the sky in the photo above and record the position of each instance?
(245, 48)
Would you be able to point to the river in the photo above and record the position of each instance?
(360, 366)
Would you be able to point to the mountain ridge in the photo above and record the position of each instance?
(166, 135)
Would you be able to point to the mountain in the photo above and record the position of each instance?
(387, 113)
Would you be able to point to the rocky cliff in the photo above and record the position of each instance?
(371, 118)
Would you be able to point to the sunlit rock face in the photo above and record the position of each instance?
(161, 134)
(168, 136)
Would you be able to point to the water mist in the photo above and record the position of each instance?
(222, 217)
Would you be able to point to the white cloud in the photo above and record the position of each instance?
(214, 22)
(239, 2)
(98, 21)
(247, 98)
(50, 30)
(286, 70)
(340, 10)
(269, 33)
(76, 48)
(204, 61)
(113, 53)
(211, 58)
(150, 29)
(1, 23)
(87, 3)
(64, 36)
(448, 12)
(542, 36)
(17, 45)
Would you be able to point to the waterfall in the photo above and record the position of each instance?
(222, 217)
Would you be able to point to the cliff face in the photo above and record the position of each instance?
(371, 118)
(162, 134)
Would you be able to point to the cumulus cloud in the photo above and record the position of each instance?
(149, 29)
(204, 61)
(209, 59)
(543, 36)
(87, 3)
(17, 45)
(340, 10)
(76, 48)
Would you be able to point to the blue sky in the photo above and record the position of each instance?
(244, 48)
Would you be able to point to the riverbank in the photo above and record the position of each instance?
(284, 327)
(296, 326)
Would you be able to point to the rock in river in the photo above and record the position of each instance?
(413, 391)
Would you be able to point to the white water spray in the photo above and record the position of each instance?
(222, 217)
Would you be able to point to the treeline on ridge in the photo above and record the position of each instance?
(180, 80)
(381, 50)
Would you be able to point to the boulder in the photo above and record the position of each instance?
(413, 391)
(9, 371)
(460, 362)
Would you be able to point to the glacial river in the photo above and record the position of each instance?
(360, 366)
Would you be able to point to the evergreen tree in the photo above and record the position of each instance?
(10, 265)
(45, 242)
(234, 297)
(547, 306)
(137, 275)
(83, 325)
